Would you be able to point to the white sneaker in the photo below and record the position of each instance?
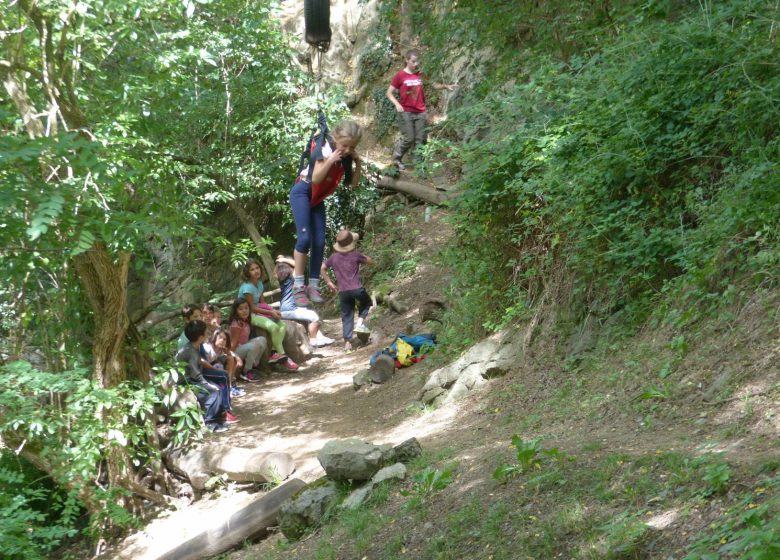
(362, 329)
(321, 340)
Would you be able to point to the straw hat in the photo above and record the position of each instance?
(345, 241)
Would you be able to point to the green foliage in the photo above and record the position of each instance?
(717, 474)
(72, 422)
(636, 168)
(385, 115)
(749, 529)
(529, 456)
(35, 518)
(426, 483)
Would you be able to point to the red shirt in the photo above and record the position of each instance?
(410, 91)
(321, 191)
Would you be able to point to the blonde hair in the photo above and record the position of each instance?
(348, 129)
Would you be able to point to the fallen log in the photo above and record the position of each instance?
(416, 190)
(217, 531)
(247, 523)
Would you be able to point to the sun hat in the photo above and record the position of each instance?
(345, 241)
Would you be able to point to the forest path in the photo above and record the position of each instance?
(298, 412)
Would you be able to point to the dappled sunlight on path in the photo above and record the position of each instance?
(297, 413)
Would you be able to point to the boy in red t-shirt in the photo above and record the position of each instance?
(409, 104)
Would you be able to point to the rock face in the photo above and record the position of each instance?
(493, 357)
(306, 509)
(352, 459)
(239, 464)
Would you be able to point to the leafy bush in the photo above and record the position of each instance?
(35, 517)
(641, 168)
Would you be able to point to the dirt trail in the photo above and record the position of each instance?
(299, 412)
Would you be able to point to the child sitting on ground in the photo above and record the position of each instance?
(208, 394)
(250, 350)
(345, 263)
(191, 312)
(284, 274)
(263, 315)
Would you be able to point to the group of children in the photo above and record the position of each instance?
(216, 354)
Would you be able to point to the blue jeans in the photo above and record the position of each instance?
(347, 301)
(309, 225)
(210, 398)
(219, 378)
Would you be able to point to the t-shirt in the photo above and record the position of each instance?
(286, 299)
(243, 329)
(410, 91)
(321, 191)
(346, 267)
(191, 356)
(255, 289)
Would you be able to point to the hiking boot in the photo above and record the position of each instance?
(248, 376)
(289, 365)
(236, 392)
(314, 294)
(299, 297)
(276, 357)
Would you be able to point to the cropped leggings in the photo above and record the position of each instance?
(309, 225)
(275, 329)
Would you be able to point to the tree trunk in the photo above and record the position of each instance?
(265, 256)
(416, 190)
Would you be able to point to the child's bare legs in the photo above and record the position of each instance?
(230, 368)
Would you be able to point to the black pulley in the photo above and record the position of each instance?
(316, 14)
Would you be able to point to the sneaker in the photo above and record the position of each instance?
(348, 347)
(399, 165)
(299, 296)
(216, 427)
(248, 376)
(321, 340)
(236, 392)
(362, 329)
(289, 364)
(276, 357)
(314, 294)
(230, 418)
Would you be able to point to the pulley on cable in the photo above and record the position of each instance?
(316, 15)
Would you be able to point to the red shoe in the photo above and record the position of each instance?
(290, 365)
(276, 357)
(230, 418)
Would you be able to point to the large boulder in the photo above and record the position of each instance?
(306, 509)
(352, 459)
